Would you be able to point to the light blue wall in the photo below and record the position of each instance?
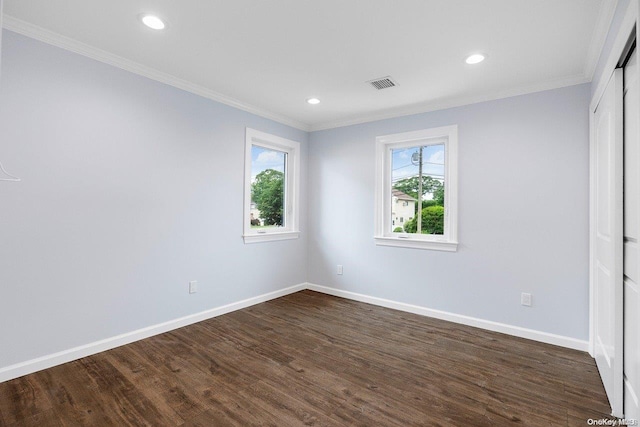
(130, 189)
(523, 214)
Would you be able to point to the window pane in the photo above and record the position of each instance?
(409, 167)
(268, 185)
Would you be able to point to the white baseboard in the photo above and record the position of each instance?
(517, 331)
(48, 361)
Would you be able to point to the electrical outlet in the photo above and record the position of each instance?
(193, 286)
(339, 269)
(525, 299)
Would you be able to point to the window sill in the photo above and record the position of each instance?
(412, 242)
(270, 237)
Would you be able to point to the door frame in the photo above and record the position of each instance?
(628, 31)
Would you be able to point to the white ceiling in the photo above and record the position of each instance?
(269, 56)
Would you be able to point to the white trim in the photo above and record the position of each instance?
(44, 362)
(592, 227)
(34, 365)
(599, 35)
(617, 49)
(270, 237)
(626, 29)
(447, 135)
(291, 229)
(454, 102)
(517, 331)
(409, 241)
(1, 19)
(628, 388)
(625, 33)
(67, 43)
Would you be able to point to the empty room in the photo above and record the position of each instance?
(322, 213)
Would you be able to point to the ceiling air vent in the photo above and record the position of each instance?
(382, 83)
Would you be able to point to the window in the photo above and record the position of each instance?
(271, 187)
(420, 167)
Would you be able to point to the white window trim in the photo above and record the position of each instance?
(384, 144)
(292, 188)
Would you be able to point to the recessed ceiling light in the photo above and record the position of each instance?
(475, 58)
(313, 101)
(153, 21)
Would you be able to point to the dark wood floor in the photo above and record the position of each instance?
(313, 359)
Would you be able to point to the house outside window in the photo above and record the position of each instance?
(403, 206)
(271, 192)
(419, 166)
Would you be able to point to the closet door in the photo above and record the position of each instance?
(1, 34)
(607, 247)
(631, 236)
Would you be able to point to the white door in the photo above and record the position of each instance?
(607, 261)
(631, 235)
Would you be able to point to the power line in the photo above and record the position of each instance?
(424, 163)
(434, 176)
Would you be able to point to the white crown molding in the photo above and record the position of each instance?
(55, 39)
(599, 36)
(489, 325)
(454, 102)
(626, 30)
(67, 43)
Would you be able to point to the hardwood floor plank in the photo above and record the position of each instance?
(47, 418)
(77, 400)
(25, 398)
(123, 397)
(317, 360)
(172, 401)
(210, 418)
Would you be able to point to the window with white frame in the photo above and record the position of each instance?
(271, 187)
(421, 168)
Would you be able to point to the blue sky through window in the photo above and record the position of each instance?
(265, 158)
(432, 162)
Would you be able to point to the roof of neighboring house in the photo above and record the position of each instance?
(401, 196)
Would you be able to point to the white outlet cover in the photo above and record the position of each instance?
(193, 286)
(525, 299)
